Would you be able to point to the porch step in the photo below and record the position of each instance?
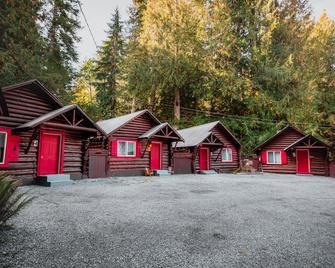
(54, 180)
(208, 172)
(161, 172)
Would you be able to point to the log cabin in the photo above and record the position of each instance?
(39, 136)
(207, 147)
(292, 151)
(138, 142)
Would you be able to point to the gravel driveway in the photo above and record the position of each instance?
(177, 221)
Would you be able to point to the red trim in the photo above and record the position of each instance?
(125, 140)
(309, 161)
(161, 153)
(232, 155)
(40, 144)
(8, 132)
(275, 151)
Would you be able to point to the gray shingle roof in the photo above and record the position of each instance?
(193, 136)
(110, 125)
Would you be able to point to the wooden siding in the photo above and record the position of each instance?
(135, 166)
(228, 142)
(318, 157)
(215, 163)
(34, 105)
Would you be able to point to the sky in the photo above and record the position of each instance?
(98, 13)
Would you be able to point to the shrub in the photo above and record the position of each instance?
(11, 202)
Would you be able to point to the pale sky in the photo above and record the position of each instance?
(98, 14)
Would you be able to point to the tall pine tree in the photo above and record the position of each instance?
(110, 56)
(62, 18)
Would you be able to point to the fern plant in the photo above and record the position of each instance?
(11, 202)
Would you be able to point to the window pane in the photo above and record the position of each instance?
(122, 148)
(2, 147)
(277, 156)
(270, 158)
(224, 154)
(230, 157)
(131, 148)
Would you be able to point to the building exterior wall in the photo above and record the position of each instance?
(25, 105)
(215, 162)
(130, 166)
(318, 157)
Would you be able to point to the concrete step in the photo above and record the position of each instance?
(162, 173)
(54, 180)
(208, 172)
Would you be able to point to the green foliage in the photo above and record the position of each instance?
(37, 40)
(110, 56)
(11, 202)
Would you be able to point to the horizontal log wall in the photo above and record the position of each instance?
(318, 157)
(135, 166)
(20, 112)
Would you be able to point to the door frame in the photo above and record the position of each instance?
(61, 136)
(160, 154)
(208, 159)
(297, 161)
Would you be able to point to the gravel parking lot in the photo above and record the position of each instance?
(177, 221)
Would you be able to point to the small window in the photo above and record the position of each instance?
(274, 157)
(227, 155)
(3, 145)
(126, 148)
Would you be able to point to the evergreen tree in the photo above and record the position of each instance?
(21, 45)
(62, 25)
(84, 91)
(110, 56)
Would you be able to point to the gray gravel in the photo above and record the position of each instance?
(178, 221)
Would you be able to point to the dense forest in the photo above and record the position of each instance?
(254, 65)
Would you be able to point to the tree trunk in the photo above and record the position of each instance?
(177, 105)
(133, 105)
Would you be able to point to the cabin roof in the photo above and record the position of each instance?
(193, 136)
(151, 132)
(36, 85)
(53, 114)
(277, 134)
(113, 124)
(304, 138)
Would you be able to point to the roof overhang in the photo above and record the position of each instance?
(211, 140)
(162, 131)
(277, 134)
(73, 118)
(308, 141)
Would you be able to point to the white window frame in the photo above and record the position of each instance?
(126, 142)
(274, 158)
(229, 150)
(5, 147)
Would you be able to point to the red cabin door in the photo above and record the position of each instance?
(303, 161)
(50, 153)
(203, 159)
(155, 156)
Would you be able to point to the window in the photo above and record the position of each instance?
(274, 157)
(3, 145)
(227, 155)
(126, 148)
